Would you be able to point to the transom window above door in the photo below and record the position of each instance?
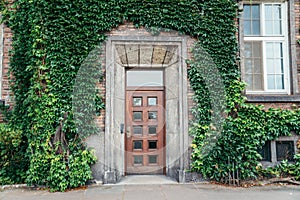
(265, 56)
(144, 78)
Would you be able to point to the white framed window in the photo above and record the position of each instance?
(266, 57)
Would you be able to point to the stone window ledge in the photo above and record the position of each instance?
(273, 98)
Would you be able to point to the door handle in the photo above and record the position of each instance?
(128, 132)
(122, 128)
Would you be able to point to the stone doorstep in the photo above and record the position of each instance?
(146, 180)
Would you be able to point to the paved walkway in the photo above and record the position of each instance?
(163, 191)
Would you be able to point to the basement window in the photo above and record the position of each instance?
(265, 151)
(285, 150)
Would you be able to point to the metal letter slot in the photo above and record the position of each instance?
(122, 128)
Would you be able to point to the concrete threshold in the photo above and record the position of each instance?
(146, 180)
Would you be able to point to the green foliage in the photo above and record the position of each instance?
(57, 175)
(228, 132)
(283, 169)
(79, 167)
(51, 41)
(13, 164)
(61, 171)
(38, 172)
(55, 65)
(70, 173)
(245, 129)
(242, 136)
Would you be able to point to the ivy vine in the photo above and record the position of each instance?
(52, 41)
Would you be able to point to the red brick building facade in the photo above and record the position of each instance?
(268, 33)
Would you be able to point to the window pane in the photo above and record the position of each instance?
(152, 129)
(138, 144)
(247, 27)
(152, 101)
(257, 82)
(138, 160)
(152, 159)
(268, 12)
(273, 22)
(144, 78)
(247, 12)
(271, 82)
(152, 144)
(152, 115)
(255, 27)
(252, 19)
(265, 151)
(248, 66)
(258, 67)
(137, 116)
(137, 101)
(277, 11)
(248, 49)
(279, 82)
(277, 50)
(274, 50)
(270, 66)
(253, 66)
(285, 150)
(277, 28)
(255, 12)
(270, 50)
(137, 130)
(256, 49)
(269, 27)
(277, 66)
(249, 82)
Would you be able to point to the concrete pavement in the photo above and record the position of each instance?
(199, 191)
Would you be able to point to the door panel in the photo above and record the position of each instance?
(145, 132)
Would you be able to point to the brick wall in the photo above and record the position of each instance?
(7, 46)
(6, 94)
(287, 106)
(100, 120)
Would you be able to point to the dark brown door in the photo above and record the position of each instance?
(145, 132)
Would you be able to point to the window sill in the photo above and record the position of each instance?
(267, 164)
(273, 98)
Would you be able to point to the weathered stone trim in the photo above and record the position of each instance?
(273, 99)
(176, 120)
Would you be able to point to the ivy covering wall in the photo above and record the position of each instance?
(52, 40)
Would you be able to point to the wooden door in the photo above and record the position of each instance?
(145, 132)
